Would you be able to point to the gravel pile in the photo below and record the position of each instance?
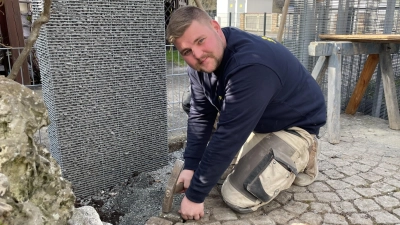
(137, 199)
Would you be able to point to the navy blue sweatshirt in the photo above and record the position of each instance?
(259, 86)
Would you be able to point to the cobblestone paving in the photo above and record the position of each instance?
(358, 183)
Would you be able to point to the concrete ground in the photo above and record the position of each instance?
(358, 183)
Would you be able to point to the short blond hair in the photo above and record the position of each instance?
(181, 20)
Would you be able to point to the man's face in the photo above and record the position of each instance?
(202, 46)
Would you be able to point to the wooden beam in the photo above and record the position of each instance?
(378, 38)
(362, 83)
(389, 88)
(324, 48)
(320, 67)
(334, 87)
(283, 20)
(16, 37)
(3, 26)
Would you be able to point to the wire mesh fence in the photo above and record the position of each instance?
(310, 18)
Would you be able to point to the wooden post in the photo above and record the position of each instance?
(389, 88)
(320, 67)
(333, 104)
(16, 37)
(283, 20)
(362, 83)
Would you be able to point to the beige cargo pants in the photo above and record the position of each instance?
(266, 165)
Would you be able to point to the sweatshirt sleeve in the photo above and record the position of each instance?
(248, 91)
(201, 119)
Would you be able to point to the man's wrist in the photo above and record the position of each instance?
(194, 196)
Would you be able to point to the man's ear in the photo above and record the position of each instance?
(215, 25)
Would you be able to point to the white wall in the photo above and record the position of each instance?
(222, 13)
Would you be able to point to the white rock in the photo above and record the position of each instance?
(85, 215)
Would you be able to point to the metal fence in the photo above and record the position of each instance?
(177, 85)
(310, 18)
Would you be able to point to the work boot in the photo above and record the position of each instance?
(311, 171)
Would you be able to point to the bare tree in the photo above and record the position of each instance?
(44, 18)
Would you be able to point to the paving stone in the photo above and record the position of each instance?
(236, 222)
(296, 222)
(206, 216)
(383, 187)
(355, 180)
(311, 218)
(387, 201)
(320, 207)
(214, 192)
(361, 167)
(389, 166)
(262, 220)
(393, 182)
(189, 222)
(295, 188)
(281, 216)
(250, 215)
(296, 207)
(327, 197)
(211, 223)
(333, 174)
(384, 217)
(223, 214)
(304, 197)
(321, 177)
(339, 162)
(318, 187)
(396, 195)
(366, 205)
(367, 192)
(334, 219)
(214, 203)
(284, 197)
(271, 206)
(348, 171)
(391, 160)
(370, 176)
(348, 194)
(383, 172)
(338, 184)
(359, 218)
(158, 221)
(343, 207)
(396, 175)
(397, 211)
(325, 165)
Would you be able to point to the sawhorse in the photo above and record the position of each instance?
(330, 57)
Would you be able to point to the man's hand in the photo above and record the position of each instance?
(185, 177)
(191, 210)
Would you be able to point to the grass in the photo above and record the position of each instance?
(173, 56)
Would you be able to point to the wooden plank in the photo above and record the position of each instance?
(389, 88)
(16, 37)
(320, 48)
(320, 67)
(324, 48)
(3, 26)
(362, 83)
(334, 88)
(378, 38)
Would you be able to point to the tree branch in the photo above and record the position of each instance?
(44, 18)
